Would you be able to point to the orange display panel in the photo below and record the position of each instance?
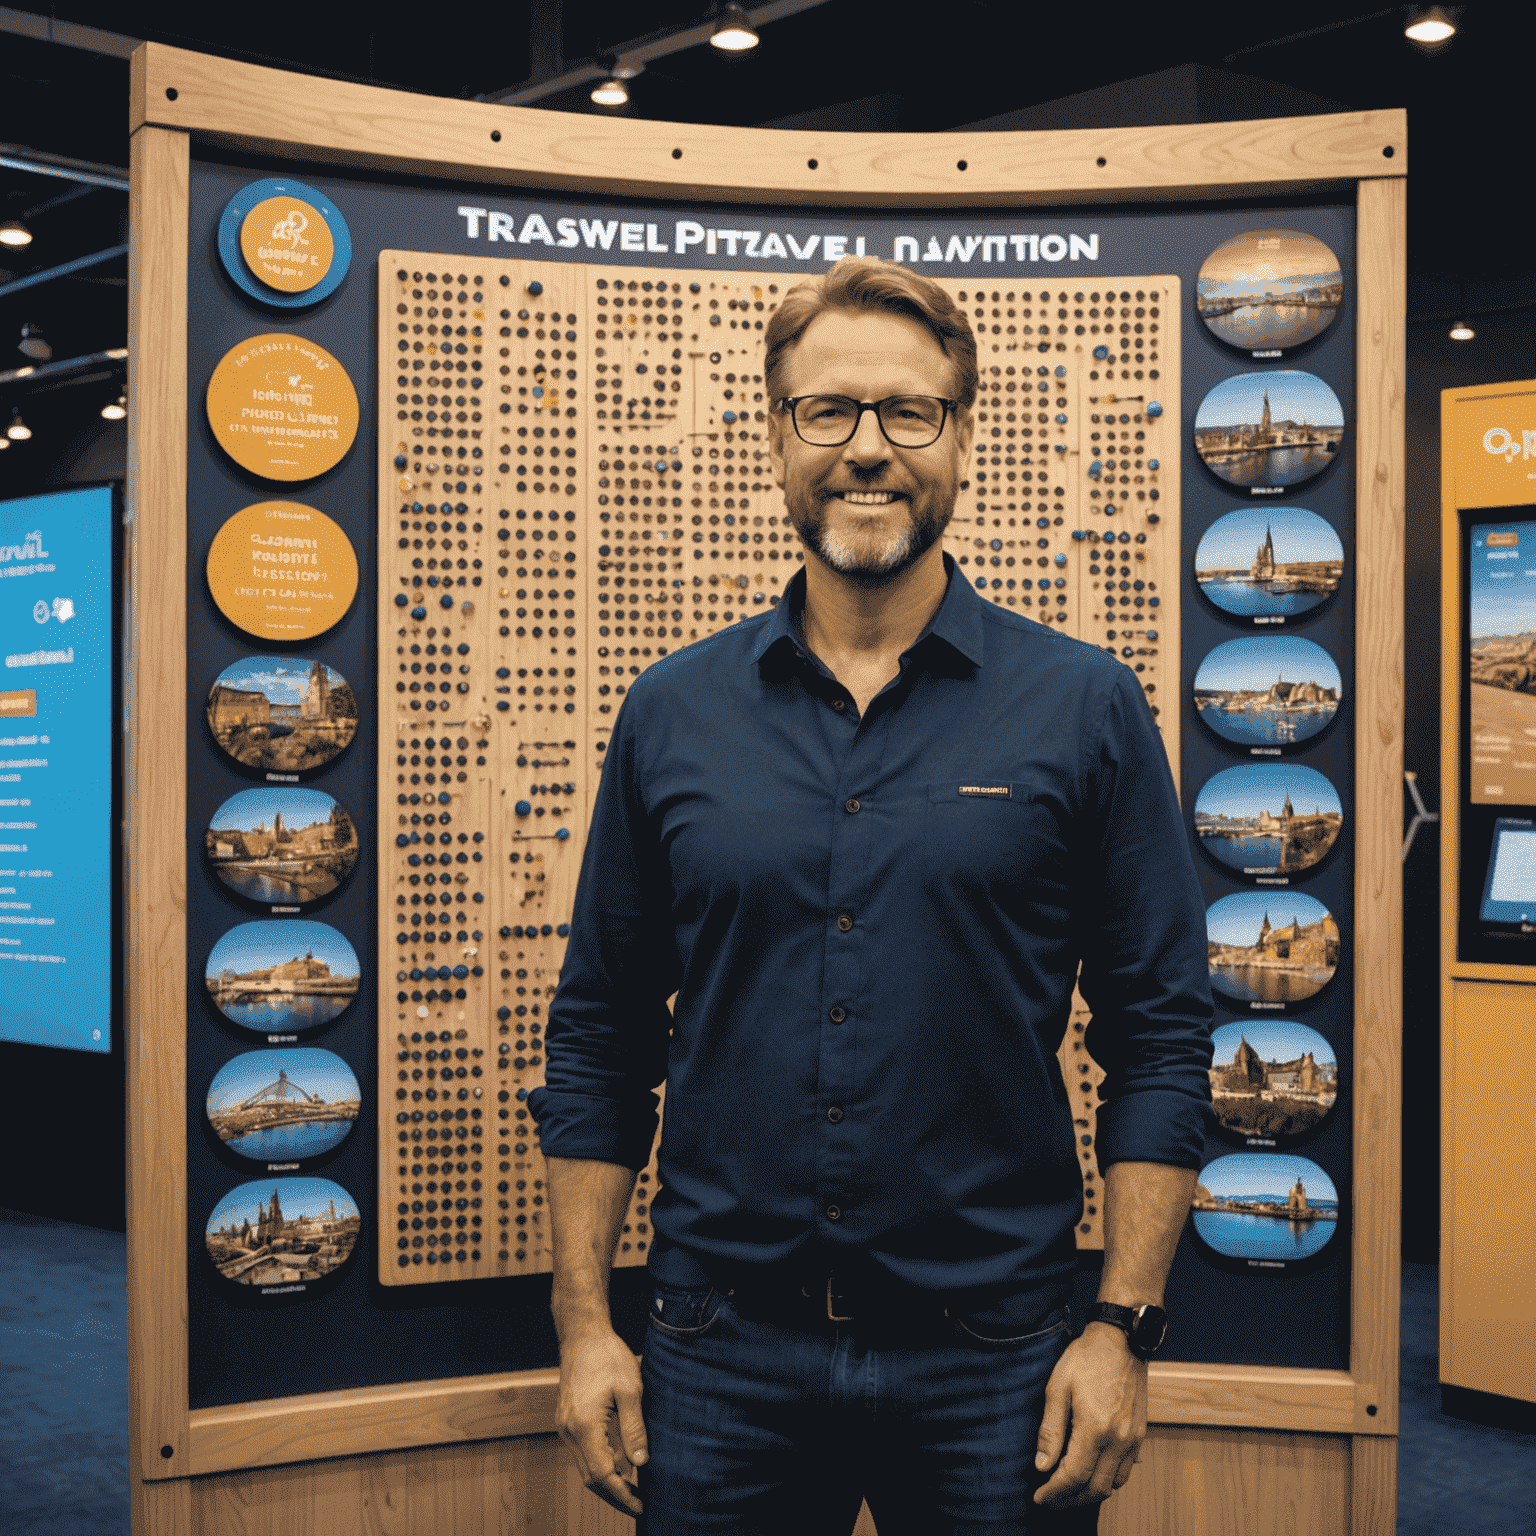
(287, 244)
(282, 407)
(281, 570)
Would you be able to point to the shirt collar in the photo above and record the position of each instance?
(958, 622)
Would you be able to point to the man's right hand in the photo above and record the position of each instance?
(600, 1381)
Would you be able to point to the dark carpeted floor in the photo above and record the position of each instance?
(1453, 1478)
(63, 1378)
(64, 1401)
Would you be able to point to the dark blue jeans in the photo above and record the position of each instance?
(761, 1426)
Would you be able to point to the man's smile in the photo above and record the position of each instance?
(865, 498)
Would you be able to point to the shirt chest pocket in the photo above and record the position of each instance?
(1008, 839)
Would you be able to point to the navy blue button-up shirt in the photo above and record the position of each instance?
(873, 926)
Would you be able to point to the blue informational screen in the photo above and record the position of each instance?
(56, 628)
(1509, 889)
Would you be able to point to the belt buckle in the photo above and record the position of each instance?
(832, 1316)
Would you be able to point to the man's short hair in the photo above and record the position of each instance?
(869, 283)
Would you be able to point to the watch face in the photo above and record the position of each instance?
(1151, 1326)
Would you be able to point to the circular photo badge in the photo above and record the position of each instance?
(282, 1236)
(1269, 432)
(282, 976)
(282, 715)
(1272, 1080)
(1277, 691)
(283, 848)
(1265, 1209)
(280, 570)
(1270, 947)
(1269, 564)
(284, 243)
(282, 407)
(283, 1106)
(1269, 291)
(1268, 818)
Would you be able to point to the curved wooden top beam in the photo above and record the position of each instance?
(269, 111)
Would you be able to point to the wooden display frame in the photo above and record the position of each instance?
(1318, 1444)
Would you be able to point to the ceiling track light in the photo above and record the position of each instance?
(611, 92)
(34, 344)
(1430, 27)
(14, 233)
(1461, 331)
(734, 32)
(18, 431)
(115, 410)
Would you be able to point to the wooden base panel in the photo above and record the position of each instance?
(1190, 1482)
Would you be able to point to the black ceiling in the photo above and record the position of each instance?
(845, 64)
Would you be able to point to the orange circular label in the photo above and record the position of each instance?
(282, 407)
(282, 571)
(287, 244)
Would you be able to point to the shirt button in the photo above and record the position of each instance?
(839, 704)
(834, 1212)
(851, 806)
(845, 923)
(834, 1114)
(838, 1014)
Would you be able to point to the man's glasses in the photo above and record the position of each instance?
(908, 421)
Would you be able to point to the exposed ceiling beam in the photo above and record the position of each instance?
(17, 158)
(47, 29)
(43, 371)
(64, 269)
(640, 51)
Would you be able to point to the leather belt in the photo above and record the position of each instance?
(838, 1299)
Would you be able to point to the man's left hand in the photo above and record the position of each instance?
(1095, 1418)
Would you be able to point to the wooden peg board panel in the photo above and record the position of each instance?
(574, 481)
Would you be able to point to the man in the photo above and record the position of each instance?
(867, 839)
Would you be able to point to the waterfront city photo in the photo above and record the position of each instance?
(1270, 946)
(284, 846)
(1272, 1079)
(284, 1105)
(279, 714)
(1268, 818)
(1269, 431)
(1271, 690)
(1266, 1207)
(1269, 562)
(1269, 290)
(282, 1233)
(282, 975)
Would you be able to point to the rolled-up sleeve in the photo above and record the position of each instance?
(1144, 972)
(606, 1040)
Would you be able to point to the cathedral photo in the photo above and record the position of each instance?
(1272, 1080)
(280, 1233)
(1269, 431)
(1264, 563)
(277, 714)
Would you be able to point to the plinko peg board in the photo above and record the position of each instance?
(574, 482)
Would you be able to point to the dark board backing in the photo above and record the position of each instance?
(357, 1333)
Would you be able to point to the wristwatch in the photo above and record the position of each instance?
(1144, 1326)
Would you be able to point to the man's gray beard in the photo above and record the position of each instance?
(873, 567)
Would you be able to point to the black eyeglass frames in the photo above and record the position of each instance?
(908, 421)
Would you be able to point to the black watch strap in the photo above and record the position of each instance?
(1144, 1326)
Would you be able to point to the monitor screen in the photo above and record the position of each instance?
(1509, 890)
(56, 629)
(1501, 657)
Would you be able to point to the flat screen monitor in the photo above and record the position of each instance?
(1509, 887)
(56, 862)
